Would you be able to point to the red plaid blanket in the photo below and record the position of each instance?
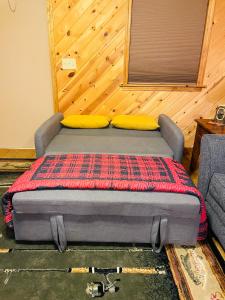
(106, 172)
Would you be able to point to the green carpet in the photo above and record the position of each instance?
(60, 285)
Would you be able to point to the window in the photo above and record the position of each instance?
(167, 42)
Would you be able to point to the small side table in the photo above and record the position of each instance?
(203, 127)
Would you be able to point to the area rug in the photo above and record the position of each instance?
(178, 272)
(197, 272)
(49, 285)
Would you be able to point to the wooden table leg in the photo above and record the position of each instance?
(196, 149)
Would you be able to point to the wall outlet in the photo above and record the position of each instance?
(69, 63)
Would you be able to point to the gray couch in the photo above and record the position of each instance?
(52, 138)
(212, 182)
(107, 216)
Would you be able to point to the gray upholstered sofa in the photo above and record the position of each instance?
(212, 182)
(106, 215)
(52, 138)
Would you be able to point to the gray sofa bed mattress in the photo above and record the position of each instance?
(105, 216)
(109, 140)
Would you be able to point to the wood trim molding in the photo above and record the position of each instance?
(17, 153)
(51, 53)
(206, 41)
(127, 44)
(161, 87)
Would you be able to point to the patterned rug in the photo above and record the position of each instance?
(197, 272)
(185, 272)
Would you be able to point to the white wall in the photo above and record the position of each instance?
(25, 79)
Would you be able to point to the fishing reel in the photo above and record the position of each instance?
(99, 288)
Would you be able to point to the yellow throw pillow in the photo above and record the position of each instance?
(135, 122)
(86, 121)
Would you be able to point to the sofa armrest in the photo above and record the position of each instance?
(46, 132)
(212, 160)
(172, 135)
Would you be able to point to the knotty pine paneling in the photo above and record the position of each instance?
(93, 32)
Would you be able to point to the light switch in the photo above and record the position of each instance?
(69, 63)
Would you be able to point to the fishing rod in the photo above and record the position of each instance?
(145, 271)
(94, 289)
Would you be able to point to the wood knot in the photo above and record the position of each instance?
(71, 74)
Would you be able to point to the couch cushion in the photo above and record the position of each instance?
(109, 131)
(217, 226)
(103, 202)
(105, 216)
(211, 203)
(217, 190)
(155, 146)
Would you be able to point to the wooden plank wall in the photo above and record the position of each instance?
(93, 32)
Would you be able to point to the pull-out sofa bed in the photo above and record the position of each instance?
(107, 215)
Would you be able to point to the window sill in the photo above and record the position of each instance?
(161, 87)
